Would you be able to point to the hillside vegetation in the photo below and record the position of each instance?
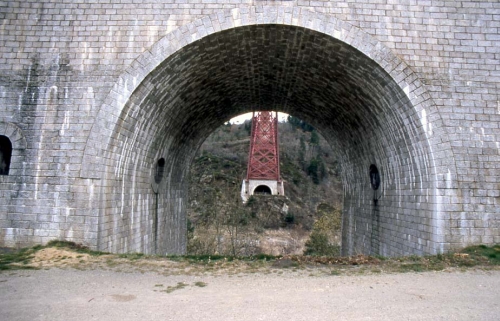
(306, 219)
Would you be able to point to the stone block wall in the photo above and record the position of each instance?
(93, 93)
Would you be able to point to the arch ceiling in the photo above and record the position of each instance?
(369, 109)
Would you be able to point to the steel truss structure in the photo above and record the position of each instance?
(263, 160)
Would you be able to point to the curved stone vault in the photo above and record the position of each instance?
(104, 105)
(352, 100)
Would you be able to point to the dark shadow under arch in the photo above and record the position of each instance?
(5, 154)
(262, 190)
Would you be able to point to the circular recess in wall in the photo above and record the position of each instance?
(160, 169)
(374, 177)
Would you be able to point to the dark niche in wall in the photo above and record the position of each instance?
(374, 177)
(160, 170)
(5, 154)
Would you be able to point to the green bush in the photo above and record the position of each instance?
(251, 201)
(318, 245)
(290, 218)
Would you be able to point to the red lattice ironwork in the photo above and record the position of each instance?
(263, 161)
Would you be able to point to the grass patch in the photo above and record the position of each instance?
(170, 289)
(265, 257)
(131, 256)
(200, 284)
(285, 264)
(205, 258)
(208, 259)
(75, 247)
(483, 253)
(474, 256)
(18, 260)
(412, 267)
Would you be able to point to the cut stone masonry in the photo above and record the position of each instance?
(93, 95)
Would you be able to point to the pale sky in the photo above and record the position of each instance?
(241, 118)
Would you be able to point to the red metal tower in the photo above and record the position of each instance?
(263, 160)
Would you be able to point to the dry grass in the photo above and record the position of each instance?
(70, 255)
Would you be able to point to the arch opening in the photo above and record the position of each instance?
(359, 108)
(221, 162)
(262, 190)
(5, 154)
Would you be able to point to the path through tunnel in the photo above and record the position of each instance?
(362, 111)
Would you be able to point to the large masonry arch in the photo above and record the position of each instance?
(364, 100)
(104, 105)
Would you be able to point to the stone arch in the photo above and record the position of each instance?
(18, 146)
(262, 189)
(409, 154)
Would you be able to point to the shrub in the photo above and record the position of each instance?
(251, 201)
(318, 245)
(290, 218)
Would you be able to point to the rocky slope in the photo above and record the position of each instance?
(219, 223)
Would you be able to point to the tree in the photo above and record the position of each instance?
(294, 121)
(297, 123)
(322, 171)
(314, 138)
(302, 153)
(318, 245)
(312, 170)
(248, 126)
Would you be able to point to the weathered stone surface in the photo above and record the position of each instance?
(94, 94)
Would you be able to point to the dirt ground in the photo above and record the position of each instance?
(288, 294)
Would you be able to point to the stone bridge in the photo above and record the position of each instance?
(103, 105)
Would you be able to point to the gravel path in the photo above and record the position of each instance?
(67, 294)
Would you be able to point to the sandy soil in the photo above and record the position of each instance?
(99, 294)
